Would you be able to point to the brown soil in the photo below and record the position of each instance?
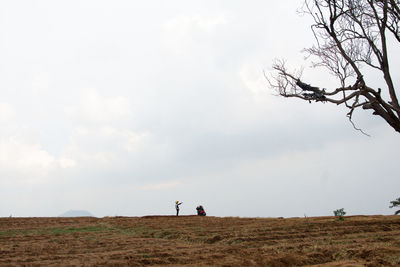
(200, 241)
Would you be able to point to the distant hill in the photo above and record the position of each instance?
(76, 213)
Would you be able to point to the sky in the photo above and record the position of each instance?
(123, 107)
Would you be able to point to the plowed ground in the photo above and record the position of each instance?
(205, 241)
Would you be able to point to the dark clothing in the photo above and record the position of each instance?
(200, 211)
(177, 208)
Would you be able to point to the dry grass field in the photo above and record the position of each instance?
(200, 241)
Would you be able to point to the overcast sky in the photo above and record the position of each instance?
(123, 107)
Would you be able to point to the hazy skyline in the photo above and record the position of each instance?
(123, 107)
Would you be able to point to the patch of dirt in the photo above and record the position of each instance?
(195, 240)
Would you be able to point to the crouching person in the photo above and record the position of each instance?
(200, 211)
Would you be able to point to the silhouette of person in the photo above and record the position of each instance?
(177, 207)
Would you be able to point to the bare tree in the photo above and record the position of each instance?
(351, 35)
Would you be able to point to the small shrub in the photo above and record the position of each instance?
(339, 214)
(395, 203)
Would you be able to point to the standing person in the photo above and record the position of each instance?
(177, 207)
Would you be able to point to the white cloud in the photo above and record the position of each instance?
(40, 81)
(129, 140)
(159, 186)
(184, 34)
(24, 157)
(7, 112)
(105, 149)
(66, 163)
(183, 25)
(28, 162)
(251, 76)
(94, 107)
